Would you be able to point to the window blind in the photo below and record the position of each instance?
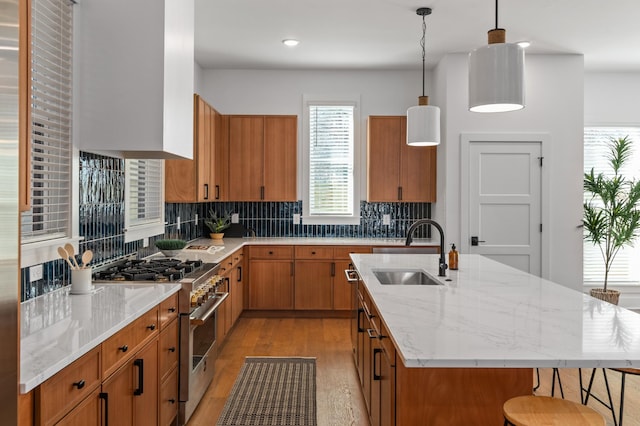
(625, 267)
(50, 121)
(331, 160)
(145, 203)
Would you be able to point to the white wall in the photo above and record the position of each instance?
(611, 98)
(554, 106)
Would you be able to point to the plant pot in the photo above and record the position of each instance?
(170, 253)
(216, 235)
(610, 296)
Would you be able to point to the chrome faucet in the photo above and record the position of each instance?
(442, 266)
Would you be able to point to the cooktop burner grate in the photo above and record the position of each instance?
(162, 270)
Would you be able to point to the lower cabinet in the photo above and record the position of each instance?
(85, 414)
(169, 399)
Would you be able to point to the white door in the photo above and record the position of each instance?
(504, 202)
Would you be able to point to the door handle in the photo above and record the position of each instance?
(475, 241)
(206, 191)
(376, 351)
(217, 192)
(105, 396)
(140, 364)
(239, 273)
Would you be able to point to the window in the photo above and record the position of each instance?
(330, 163)
(144, 199)
(625, 268)
(50, 216)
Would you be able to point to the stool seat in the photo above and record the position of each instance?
(545, 410)
(634, 371)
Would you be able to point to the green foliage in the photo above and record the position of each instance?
(611, 215)
(171, 244)
(218, 224)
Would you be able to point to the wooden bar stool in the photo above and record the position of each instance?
(548, 411)
(623, 372)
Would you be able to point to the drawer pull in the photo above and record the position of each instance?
(172, 309)
(270, 252)
(124, 348)
(79, 384)
(140, 364)
(172, 349)
(313, 252)
(151, 327)
(172, 401)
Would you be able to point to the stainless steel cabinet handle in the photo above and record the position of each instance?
(352, 275)
(372, 333)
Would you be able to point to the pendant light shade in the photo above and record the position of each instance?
(423, 125)
(423, 120)
(496, 74)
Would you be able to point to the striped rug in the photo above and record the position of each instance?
(274, 392)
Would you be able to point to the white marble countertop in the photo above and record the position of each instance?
(491, 315)
(57, 328)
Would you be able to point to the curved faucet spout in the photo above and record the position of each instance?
(442, 267)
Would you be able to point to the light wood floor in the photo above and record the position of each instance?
(339, 397)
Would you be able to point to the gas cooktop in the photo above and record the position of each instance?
(159, 270)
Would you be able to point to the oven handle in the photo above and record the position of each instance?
(204, 317)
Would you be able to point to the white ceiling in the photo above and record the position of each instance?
(385, 34)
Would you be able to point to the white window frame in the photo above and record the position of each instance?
(149, 228)
(42, 249)
(616, 130)
(346, 100)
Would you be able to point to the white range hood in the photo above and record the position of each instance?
(135, 77)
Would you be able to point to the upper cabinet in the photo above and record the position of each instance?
(136, 77)
(395, 170)
(205, 177)
(262, 157)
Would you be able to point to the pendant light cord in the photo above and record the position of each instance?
(422, 44)
(496, 14)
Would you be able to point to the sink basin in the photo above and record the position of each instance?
(400, 277)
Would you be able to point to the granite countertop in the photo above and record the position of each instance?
(57, 328)
(492, 315)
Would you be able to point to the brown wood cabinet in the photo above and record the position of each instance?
(271, 272)
(205, 177)
(262, 157)
(231, 270)
(396, 171)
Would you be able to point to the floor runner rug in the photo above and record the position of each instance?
(274, 392)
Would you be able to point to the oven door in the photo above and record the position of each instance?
(198, 338)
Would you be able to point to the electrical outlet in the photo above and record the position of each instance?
(296, 219)
(235, 218)
(196, 219)
(145, 242)
(35, 273)
(178, 223)
(386, 219)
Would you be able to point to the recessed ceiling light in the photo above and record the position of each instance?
(524, 44)
(290, 42)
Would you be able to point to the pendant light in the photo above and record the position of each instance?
(496, 74)
(423, 120)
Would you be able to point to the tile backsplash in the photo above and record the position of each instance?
(101, 219)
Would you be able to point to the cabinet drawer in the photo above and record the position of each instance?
(168, 310)
(271, 252)
(314, 252)
(342, 252)
(61, 392)
(168, 348)
(122, 345)
(387, 344)
(169, 399)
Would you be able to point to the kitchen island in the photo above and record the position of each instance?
(462, 348)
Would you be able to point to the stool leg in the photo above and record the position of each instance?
(581, 388)
(535, 388)
(588, 392)
(606, 383)
(621, 398)
(556, 373)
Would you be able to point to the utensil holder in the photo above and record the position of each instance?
(81, 281)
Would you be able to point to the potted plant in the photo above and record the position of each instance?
(217, 224)
(170, 247)
(611, 214)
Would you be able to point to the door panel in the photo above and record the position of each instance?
(505, 202)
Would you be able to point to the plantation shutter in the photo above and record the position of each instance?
(144, 201)
(331, 160)
(626, 266)
(50, 121)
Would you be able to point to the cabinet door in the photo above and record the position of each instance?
(228, 312)
(145, 395)
(280, 158)
(342, 289)
(203, 153)
(313, 282)
(168, 349)
(383, 158)
(246, 155)
(87, 413)
(169, 399)
(271, 284)
(418, 172)
(221, 326)
(220, 157)
(118, 394)
(387, 389)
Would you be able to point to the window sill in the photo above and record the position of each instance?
(44, 251)
(330, 220)
(139, 232)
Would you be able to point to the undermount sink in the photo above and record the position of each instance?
(404, 277)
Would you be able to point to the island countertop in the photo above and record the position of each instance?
(491, 315)
(57, 328)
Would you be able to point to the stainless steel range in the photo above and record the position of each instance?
(201, 294)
